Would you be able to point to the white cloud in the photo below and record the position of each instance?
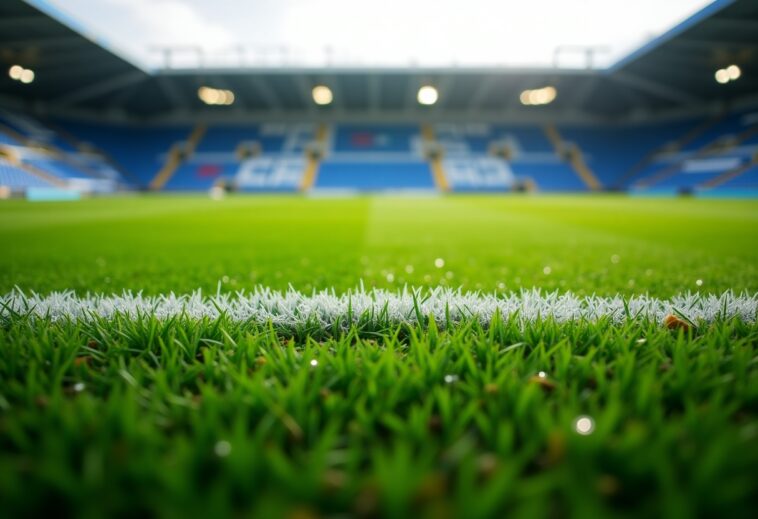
(391, 32)
(173, 22)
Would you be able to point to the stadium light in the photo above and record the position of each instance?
(322, 95)
(427, 95)
(734, 72)
(27, 76)
(727, 74)
(15, 72)
(19, 73)
(538, 96)
(215, 96)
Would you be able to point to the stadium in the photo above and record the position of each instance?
(464, 267)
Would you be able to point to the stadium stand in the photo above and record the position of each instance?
(384, 174)
(745, 179)
(376, 138)
(480, 173)
(7, 139)
(102, 120)
(375, 158)
(140, 151)
(727, 145)
(17, 179)
(669, 157)
(270, 174)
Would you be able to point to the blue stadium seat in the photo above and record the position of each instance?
(140, 151)
(375, 138)
(612, 151)
(556, 176)
(527, 139)
(747, 180)
(18, 179)
(478, 173)
(7, 139)
(271, 174)
(375, 176)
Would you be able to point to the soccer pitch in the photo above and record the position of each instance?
(467, 356)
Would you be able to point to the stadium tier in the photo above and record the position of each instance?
(692, 155)
(368, 175)
(17, 179)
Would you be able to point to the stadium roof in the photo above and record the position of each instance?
(676, 71)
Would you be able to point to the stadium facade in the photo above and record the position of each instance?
(679, 115)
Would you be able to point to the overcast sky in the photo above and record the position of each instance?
(375, 32)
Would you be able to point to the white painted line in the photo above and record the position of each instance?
(291, 309)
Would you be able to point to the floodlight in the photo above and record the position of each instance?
(722, 76)
(15, 72)
(215, 96)
(27, 76)
(427, 95)
(322, 95)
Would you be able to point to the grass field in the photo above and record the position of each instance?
(605, 245)
(442, 414)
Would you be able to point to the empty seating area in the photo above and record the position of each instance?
(706, 154)
(483, 157)
(16, 179)
(54, 157)
(382, 175)
(374, 158)
(270, 174)
(398, 138)
(138, 151)
(611, 151)
(746, 180)
(479, 173)
(726, 144)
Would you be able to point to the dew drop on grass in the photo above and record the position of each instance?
(409, 269)
(699, 282)
(390, 277)
(79, 387)
(584, 425)
(450, 379)
(314, 362)
(222, 448)
(547, 270)
(439, 263)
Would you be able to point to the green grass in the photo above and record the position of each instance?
(161, 244)
(219, 417)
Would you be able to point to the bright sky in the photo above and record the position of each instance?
(375, 32)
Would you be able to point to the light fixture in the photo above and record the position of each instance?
(27, 76)
(322, 95)
(734, 72)
(19, 73)
(427, 95)
(15, 72)
(215, 96)
(727, 74)
(538, 96)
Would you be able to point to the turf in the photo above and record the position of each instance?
(603, 245)
(209, 415)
